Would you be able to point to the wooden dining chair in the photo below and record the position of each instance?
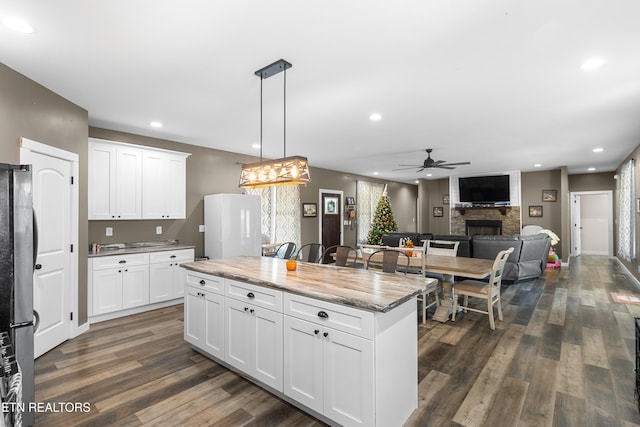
(346, 256)
(489, 291)
(434, 247)
(313, 251)
(387, 260)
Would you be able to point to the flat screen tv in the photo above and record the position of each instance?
(481, 190)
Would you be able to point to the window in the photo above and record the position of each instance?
(626, 212)
(368, 194)
(280, 213)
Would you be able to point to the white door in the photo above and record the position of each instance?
(592, 223)
(52, 278)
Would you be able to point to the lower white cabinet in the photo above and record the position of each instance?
(330, 371)
(119, 282)
(166, 277)
(253, 339)
(204, 320)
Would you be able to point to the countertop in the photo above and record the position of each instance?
(365, 289)
(138, 250)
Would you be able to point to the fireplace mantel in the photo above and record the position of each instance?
(503, 209)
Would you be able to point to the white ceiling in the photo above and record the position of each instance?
(497, 83)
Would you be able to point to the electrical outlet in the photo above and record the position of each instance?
(201, 228)
(109, 231)
(159, 229)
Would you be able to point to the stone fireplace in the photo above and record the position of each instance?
(508, 218)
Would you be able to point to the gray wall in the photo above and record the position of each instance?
(30, 110)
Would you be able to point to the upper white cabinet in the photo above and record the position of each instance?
(133, 182)
(163, 184)
(115, 181)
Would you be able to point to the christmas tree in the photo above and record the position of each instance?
(383, 221)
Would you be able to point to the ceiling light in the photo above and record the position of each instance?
(17, 24)
(537, 165)
(155, 124)
(417, 181)
(429, 174)
(256, 146)
(598, 150)
(376, 173)
(592, 64)
(591, 169)
(285, 171)
(375, 117)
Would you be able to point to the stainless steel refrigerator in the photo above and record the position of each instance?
(232, 225)
(18, 245)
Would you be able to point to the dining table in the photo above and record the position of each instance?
(448, 266)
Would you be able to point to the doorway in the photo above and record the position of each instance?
(55, 280)
(330, 232)
(592, 223)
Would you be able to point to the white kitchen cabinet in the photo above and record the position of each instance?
(253, 324)
(330, 371)
(204, 319)
(115, 181)
(163, 184)
(119, 282)
(128, 181)
(166, 277)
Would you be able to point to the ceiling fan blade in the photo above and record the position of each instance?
(443, 167)
(457, 164)
(420, 170)
(408, 167)
(439, 162)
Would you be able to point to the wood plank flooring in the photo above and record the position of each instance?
(564, 356)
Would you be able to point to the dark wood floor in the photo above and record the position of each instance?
(564, 356)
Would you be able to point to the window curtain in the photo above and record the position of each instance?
(626, 212)
(367, 196)
(280, 213)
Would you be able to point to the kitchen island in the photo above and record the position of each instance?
(339, 343)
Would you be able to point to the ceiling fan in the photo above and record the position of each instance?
(430, 163)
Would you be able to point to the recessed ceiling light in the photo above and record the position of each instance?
(155, 124)
(376, 173)
(537, 165)
(17, 24)
(256, 146)
(591, 169)
(429, 174)
(598, 150)
(417, 181)
(375, 117)
(592, 63)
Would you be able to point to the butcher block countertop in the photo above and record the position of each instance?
(369, 290)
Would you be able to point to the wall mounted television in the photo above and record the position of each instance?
(484, 190)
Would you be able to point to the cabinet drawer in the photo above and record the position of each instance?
(257, 295)
(336, 316)
(100, 263)
(180, 255)
(206, 282)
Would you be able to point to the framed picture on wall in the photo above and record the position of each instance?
(309, 210)
(549, 195)
(445, 199)
(438, 211)
(330, 205)
(535, 211)
(351, 201)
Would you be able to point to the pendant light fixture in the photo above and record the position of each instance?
(287, 170)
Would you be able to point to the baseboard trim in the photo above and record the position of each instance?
(134, 310)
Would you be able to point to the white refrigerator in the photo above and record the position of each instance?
(232, 225)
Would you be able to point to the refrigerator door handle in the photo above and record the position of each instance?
(36, 321)
(35, 238)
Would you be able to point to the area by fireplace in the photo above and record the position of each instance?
(483, 226)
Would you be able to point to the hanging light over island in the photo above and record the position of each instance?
(291, 170)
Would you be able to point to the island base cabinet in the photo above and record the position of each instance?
(254, 341)
(329, 371)
(204, 320)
